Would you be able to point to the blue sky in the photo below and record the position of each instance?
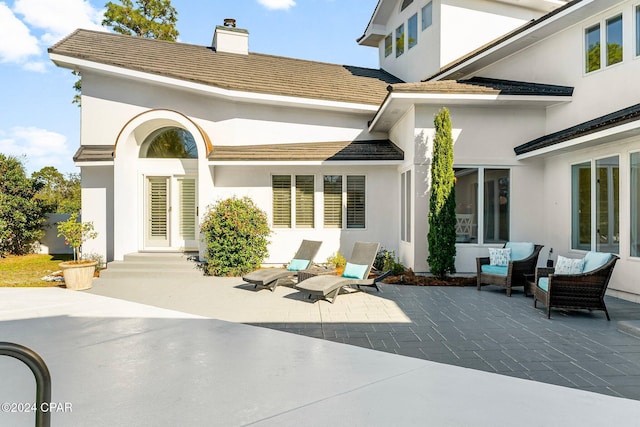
(37, 118)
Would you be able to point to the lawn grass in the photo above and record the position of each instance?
(28, 270)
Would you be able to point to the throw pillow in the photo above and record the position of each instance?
(569, 265)
(354, 271)
(499, 256)
(298, 264)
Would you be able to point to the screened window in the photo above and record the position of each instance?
(614, 40)
(304, 201)
(332, 201)
(405, 206)
(400, 40)
(356, 199)
(635, 204)
(413, 30)
(388, 45)
(281, 186)
(595, 205)
(482, 211)
(592, 48)
(169, 142)
(427, 18)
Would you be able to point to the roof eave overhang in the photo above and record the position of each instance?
(93, 163)
(617, 133)
(397, 104)
(229, 94)
(305, 162)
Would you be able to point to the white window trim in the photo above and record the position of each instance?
(603, 42)
(635, 8)
(292, 190)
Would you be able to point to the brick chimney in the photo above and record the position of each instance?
(228, 38)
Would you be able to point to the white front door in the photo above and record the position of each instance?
(171, 213)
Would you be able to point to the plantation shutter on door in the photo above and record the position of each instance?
(304, 201)
(356, 201)
(158, 212)
(281, 186)
(187, 208)
(332, 201)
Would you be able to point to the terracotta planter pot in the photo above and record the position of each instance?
(339, 271)
(78, 275)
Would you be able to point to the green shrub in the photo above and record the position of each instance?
(387, 260)
(235, 231)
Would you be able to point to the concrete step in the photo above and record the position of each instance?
(152, 265)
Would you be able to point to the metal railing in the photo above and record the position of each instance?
(40, 371)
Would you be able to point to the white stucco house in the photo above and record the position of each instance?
(544, 97)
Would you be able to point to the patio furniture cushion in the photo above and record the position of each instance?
(595, 260)
(543, 283)
(495, 269)
(569, 265)
(500, 257)
(298, 264)
(355, 271)
(520, 250)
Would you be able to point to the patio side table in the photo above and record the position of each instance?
(317, 270)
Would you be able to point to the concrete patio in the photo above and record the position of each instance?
(183, 356)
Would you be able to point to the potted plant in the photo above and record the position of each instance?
(78, 274)
(338, 261)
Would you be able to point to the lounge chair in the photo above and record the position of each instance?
(523, 257)
(356, 273)
(269, 277)
(576, 290)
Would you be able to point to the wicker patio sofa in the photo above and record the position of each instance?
(513, 273)
(574, 291)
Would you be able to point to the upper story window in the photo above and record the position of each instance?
(638, 30)
(413, 30)
(388, 45)
(405, 4)
(400, 40)
(169, 143)
(612, 40)
(427, 17)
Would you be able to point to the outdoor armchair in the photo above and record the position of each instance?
(508, 270)
(583, 290)
(269, 277)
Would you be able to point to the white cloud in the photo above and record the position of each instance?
(58, 18)
(16, 43)
(40, 147)
(277, 4)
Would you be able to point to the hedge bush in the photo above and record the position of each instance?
(235, 231)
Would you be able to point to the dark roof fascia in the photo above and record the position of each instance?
(608, 121)
(502, 87)
(501, 40)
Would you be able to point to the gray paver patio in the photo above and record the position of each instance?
(459, 326)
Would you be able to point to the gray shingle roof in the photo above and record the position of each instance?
(617, 118)
(370, 150)
(481, 85)
(258, 73)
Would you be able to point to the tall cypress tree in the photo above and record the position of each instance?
(442, 202)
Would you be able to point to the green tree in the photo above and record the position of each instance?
(60, 194)
(235, 231)
(22, 214)
(152, 19)
(442, 202)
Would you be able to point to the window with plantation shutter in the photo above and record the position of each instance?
(304, 201)
(187, 208)
(356, 201)
(281, 185)
(158, 208)
(332, 201)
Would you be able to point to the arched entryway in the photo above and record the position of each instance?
(159, 158)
